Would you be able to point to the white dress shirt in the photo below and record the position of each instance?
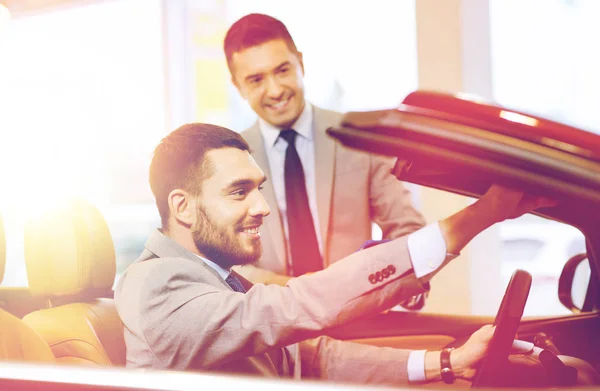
(275, 148)
(427, 251)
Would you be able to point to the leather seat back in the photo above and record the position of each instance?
(18, 342)
(70, 260)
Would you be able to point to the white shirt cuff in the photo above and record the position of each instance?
(427, 250)
(416, 366)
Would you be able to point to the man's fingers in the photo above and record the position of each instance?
(486, 332)
(511, 195)
(521, 347)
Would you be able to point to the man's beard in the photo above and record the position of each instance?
(218, 246)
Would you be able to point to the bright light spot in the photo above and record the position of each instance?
(520, 118)
(4, 15)
(470, 97)
(79, 113)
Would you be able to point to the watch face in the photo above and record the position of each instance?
(447, 375)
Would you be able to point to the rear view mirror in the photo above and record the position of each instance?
(574, 283)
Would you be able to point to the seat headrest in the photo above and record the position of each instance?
(69, 252)
(2, 250)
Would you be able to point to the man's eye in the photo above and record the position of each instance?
(255, 80)
(239, 193)
(284, 70)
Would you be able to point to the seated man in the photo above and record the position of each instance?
(183, 309)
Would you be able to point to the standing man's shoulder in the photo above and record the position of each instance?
(252, 132)
(326, 118)
(253, 137)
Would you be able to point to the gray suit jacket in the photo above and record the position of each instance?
(354, 188)
(180, 314)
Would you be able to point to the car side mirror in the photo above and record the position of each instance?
(574, 283)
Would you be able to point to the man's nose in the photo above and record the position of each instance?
(260, 206)
(274, 88)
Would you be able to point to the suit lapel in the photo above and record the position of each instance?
(273, 224)
(164, 247)
(324, 172)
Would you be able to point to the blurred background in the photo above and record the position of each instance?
(88, 88)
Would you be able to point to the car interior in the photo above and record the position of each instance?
(70, 265)
(18, 341)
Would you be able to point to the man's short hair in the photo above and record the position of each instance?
(179, 160)
(253, 30)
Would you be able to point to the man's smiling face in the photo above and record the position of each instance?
(230, 209)
(270, 78)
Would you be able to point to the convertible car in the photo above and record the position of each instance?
(61, 332)
(460, 144)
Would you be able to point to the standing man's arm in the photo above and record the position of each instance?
(390, 201)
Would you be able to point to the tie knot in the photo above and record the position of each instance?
(288, 135)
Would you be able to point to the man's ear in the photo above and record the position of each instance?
(238, 87)
(182, 206)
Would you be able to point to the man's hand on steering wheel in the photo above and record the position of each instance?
(465, 359)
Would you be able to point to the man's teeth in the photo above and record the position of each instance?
(280, 104)
(253, 231)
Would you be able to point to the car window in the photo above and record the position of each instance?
(581, 280)
(576, 246)
(475, 282)
(130, 225)
(520, 250)
(544, 248)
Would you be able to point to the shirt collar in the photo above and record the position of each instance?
(222, 272)
(302, 126)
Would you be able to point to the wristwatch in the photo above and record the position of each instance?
(446, 368)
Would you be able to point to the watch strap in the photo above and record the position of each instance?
(445, 367)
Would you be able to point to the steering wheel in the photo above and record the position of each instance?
(490, 372)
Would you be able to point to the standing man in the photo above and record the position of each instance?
(324, 195)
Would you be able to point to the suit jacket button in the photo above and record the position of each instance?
(379, 276)
(385, 272)
(391, 269)
(372, 279)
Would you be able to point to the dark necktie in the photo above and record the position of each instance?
(304, 247)
(237, 282)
